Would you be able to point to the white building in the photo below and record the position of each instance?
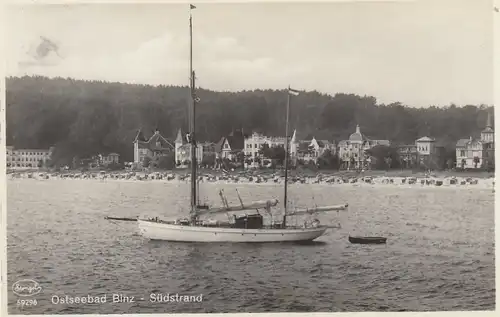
(27, 158)
(183, 151)
(111, 158)
(309, 150)
(306, 150)
(429, 153)
(254, 143)
(477, 153)
(229, 147)
(425, 146)
(469, 153)
(352, 152)
(153, 147)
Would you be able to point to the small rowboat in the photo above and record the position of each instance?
(367, 240)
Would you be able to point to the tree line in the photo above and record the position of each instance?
(84, 118)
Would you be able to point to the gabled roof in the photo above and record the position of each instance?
(140, 136)
(303, 146)
(158, 142)
(218, 145)
(236, 141)
(155, 142)
(425, 139)
(179, 138)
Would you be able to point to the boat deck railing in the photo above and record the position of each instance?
(220, 224)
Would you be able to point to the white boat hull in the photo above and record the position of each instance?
(180, 233)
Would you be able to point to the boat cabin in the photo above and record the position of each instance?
(254, 221)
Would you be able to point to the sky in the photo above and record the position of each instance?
(421, 53)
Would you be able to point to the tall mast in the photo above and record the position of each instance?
(285, 196)
(192, 131)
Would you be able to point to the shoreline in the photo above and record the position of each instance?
(269, 172)
(414, 180)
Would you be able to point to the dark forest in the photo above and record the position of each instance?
(84, 118)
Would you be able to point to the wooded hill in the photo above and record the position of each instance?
(83, 118)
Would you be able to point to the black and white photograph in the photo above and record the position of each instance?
(250, 157)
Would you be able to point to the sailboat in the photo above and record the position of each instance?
(247, 228)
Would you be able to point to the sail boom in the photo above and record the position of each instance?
(253, 205)
(305, 211)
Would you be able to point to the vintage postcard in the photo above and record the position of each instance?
(249, 157)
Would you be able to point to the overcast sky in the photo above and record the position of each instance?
(417, 52)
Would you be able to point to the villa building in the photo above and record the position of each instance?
(477, 153)
(408, 155)
(183, 150)
(111, 158)
(299, 150)
(153, 147)
(309, 150)
(230, 146)
(254, 143)
(27, 158)
(352, 152)
(429, 152)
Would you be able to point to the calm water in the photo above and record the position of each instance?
(439, 255)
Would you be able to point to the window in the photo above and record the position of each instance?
(249, 146)
(226, 146)
(462, 153)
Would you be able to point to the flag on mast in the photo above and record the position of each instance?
(192, 7)
(293, 92)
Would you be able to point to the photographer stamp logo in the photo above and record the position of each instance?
(26, 287)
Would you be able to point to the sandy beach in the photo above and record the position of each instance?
(367, 178)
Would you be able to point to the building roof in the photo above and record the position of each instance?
(357, 136)
(236, 140)
(155, 143)
(140, 136)
(382, 142)
(218, 145)
(179, 138)
(323, 143)
(12, 148)
(489, 125)
(425, 139)
(463, 142)
(303, 146)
